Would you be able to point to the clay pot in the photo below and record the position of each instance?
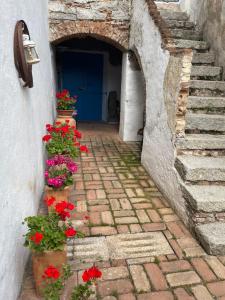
(59, 195)
(40, 261)
(63, 115)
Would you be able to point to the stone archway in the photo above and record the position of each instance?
(115, 34)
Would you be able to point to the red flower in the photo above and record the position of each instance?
(61, 206)
(64, 214)
(49, 201)
(65, 129)
(77, 134)
(67, 121)
(37, 238)
(84, 149)
(51, 272)
(91, 274)
(70, 232)
(58, 123)
(70, 206)
(46, 138)
(86, 217)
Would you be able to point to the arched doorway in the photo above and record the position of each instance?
(91, 69)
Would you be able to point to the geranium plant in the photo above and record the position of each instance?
(84, 291)
(63, 139)
(54, 282)
(65, 101)
(47, 233)
(62, 208)
(60, 170)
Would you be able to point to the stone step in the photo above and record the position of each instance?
(179, 24)
(205, 102)
(212, 237)
(173, 15)
(190, 44)
(205, 198)
(186, 34)
(201, 142)
(205, 122)
(201, 168)
(208, 85)
(203, 58)
(206, 71)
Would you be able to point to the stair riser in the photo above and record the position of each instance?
(179, 24)
(194, 122)
(173, 15)
(206, 73)
(200, 174)
(189, 44)
(203, 58)
(206, 103)
(185, 34)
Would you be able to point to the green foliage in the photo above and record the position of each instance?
(60, 144)
(82, 292)
(52, 289)
(54, 237)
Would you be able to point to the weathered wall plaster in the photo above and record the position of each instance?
(209, 15)
(132, 101)
(158, 149)
(107, 20)
(24, 115)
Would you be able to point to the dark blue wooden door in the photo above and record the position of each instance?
(82, 75)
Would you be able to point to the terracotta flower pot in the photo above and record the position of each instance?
(64, 115)
(57, 194)
(41, 261)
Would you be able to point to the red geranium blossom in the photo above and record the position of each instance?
(49, 201)
(46, 137)
(61, 206)
(77, 134)
(70, 232)
(70, 206)
(91, 274)
(84, 148)
(51, 272)
(37, 238)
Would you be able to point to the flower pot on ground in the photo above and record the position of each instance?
(64, 115)
(46, 238)
(59, 195)
(41, 261)
(66, 107)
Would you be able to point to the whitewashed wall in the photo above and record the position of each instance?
(158, 150)
(24, 113)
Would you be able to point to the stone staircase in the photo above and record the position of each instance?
(200, 158)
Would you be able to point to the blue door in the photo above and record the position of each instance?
(82, 75)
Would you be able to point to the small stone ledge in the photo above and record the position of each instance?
(212, 237)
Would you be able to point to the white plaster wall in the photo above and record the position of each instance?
(24, 113)
(132, 101)
(158, 150)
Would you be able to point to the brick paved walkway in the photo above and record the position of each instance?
(141, 246)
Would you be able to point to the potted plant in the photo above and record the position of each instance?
(46, 238)
(59, 176)
(66, 107)
(63, 139)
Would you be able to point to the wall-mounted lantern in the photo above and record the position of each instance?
(30, 50)
(25, 53)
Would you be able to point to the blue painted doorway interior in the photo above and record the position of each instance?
(82, 74)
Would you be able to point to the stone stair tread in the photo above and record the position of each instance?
(205, 122)
(201, 168)
(205, 102)
(173, 15)
(212, 237)
(205, 198)
(203, 58)
(207, 84)
(202, 142)
(190, 44)
(179, 24)
(189, 34)
(205, 71)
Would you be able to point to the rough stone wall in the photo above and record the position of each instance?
(24, 113)
(210, 16)
(105, 19)
(161, 91)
